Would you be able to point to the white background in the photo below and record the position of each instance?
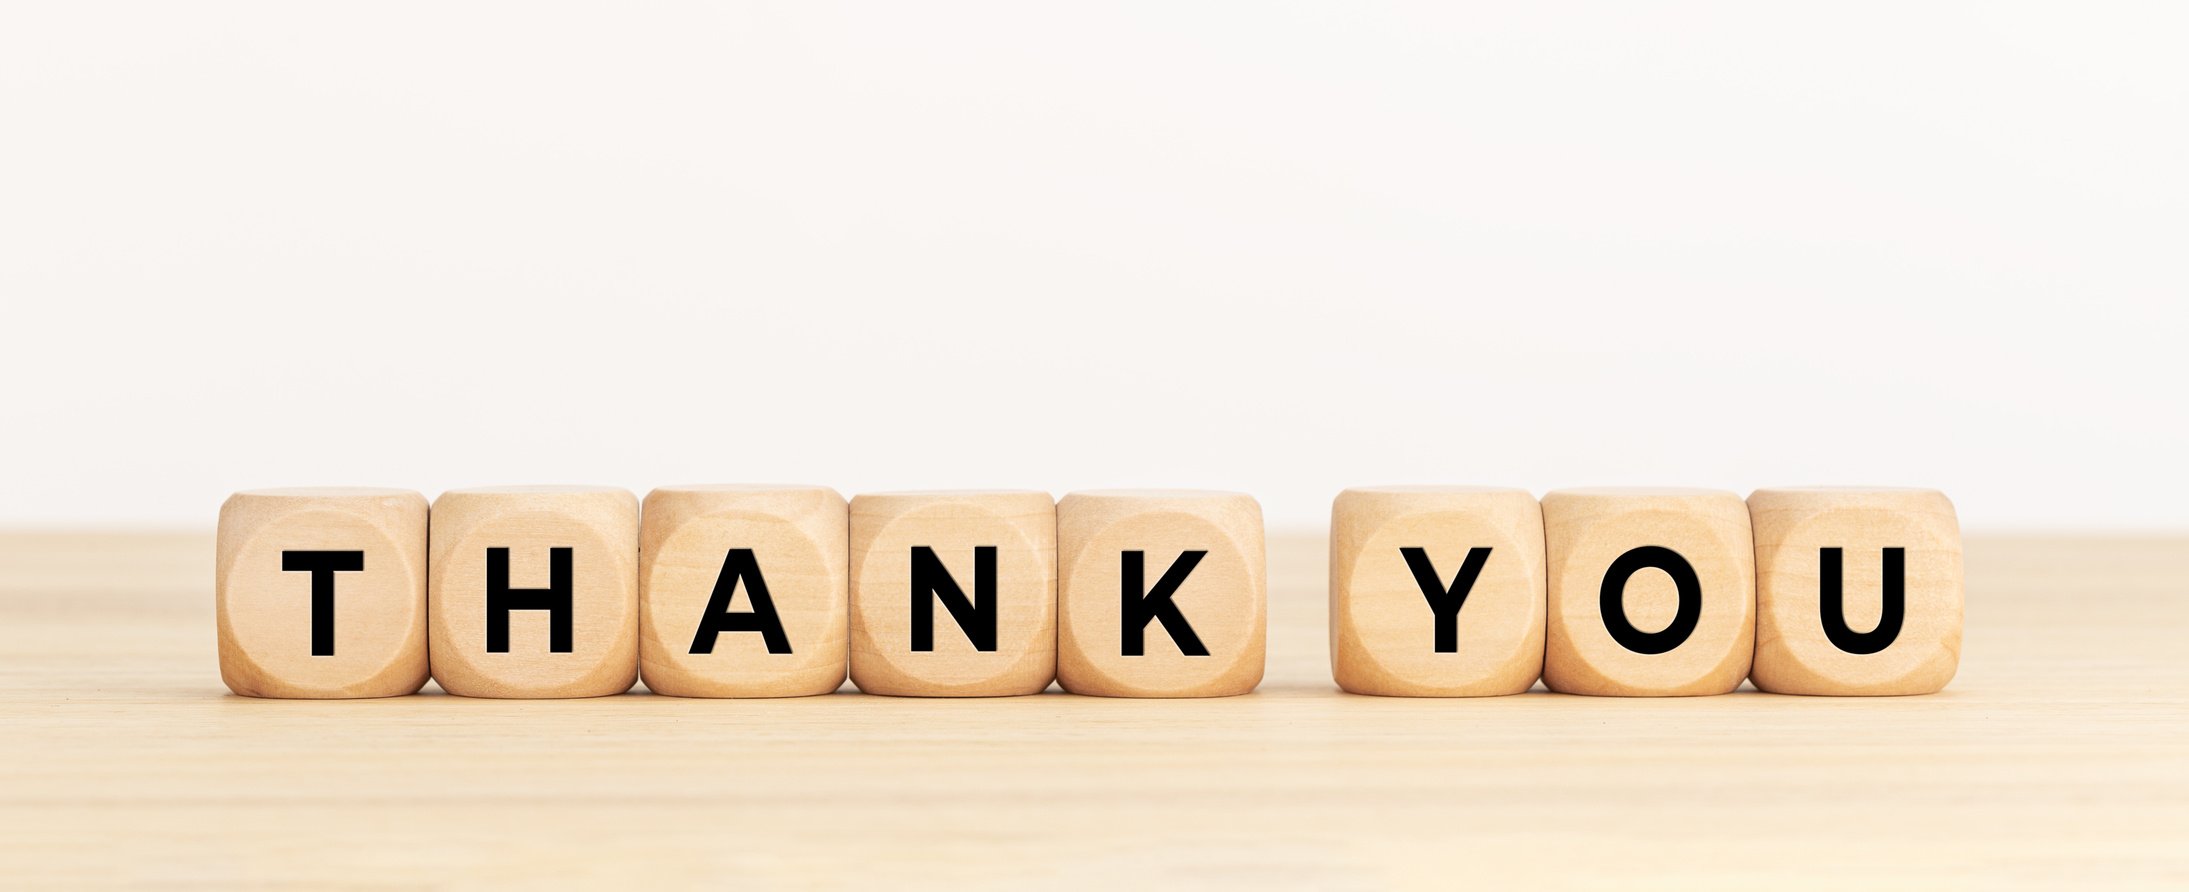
(1281, 248)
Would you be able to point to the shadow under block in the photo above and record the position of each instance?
(1652, 592)
(1858, 590)
(321, 593)
(1436, 591)
(953, 594)
(742, 591)
(534, 591)
(1163, 593)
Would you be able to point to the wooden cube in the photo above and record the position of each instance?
(1436, 591)
(953, 594)
(1163, 593)
(321, 593)
(742, 591)
(1652, 592)
(535, 591)
(1858, 590)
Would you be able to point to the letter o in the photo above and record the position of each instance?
(1613, 601)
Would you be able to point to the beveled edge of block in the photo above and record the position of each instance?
(489, 501)
(245, 511)
(667, 508)
(1157, 494)
(1082, 512)
(1638, 492)
(1902, 498)
(739, 488)
(1577, 504)
(1827, 488)
(1394, 501)
(536, 489)
(1431, 489)
(1006, 501)
(1237, 683)
(314, 493)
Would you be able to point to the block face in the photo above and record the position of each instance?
(1384, 631)
(598, 526)
(1795, 653)
(276, 546)
(793, 544)
(1638, 536)
(1106, 536)
(912, 551)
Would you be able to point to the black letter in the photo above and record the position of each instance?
(1445, 602)
(740, 564)
(1156, 604)
(323, 565)
(1831, 606)
(501, 599)
(977, 618)
(1614, 602)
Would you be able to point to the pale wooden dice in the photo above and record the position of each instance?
(953, 594)
(1652, 592)
(1163, 593)
(742, 591)
(321, 593)
(1436, 591)
(534, 591)
(1858, 590)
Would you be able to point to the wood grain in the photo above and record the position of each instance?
(1384, 631)
(1018, 528)
(377, 615)
(1869, 526)
(595, 529)
(795, 537)
(2058, 757)
(1206, 548)
(1703, 532)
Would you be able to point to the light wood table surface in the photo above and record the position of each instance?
(2059, 757)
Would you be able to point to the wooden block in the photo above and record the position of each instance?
(535, 591)
(1164, 593)
(1436, 591)
(953, 594)
(742, 591)
(1858, 590)
(1652, 592)
(321, 593)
